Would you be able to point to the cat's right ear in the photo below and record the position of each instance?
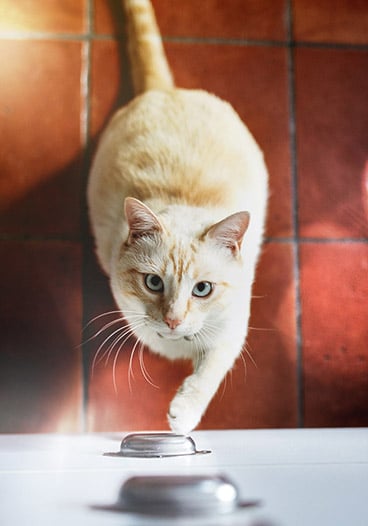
(141, 220)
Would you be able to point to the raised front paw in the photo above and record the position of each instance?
(186, 409)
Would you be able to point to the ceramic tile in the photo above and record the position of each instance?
(329, 21)
(239, 19)
(109, 81)
(40, 137)
(332, 120)
(37, 15)
(40, 370)
(109, 17)
(334, 289)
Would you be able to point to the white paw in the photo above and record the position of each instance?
(185, 409)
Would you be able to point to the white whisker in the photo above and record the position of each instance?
(209, 333)
(104, 328)
(247, 349)
(268, 329)
(96, 359)
(128, 332)
(244, 365)
(224, 386)
(230, 373)
(145, 373)
(201, 345)
(100, 316)
(125, 331)
(130, 368)
(210, 325)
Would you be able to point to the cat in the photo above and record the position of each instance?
(177, 199)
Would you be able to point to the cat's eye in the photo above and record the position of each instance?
(154, 283)
(202, 289)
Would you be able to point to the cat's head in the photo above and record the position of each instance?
(177, 274)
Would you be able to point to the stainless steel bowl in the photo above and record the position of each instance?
(156, 445)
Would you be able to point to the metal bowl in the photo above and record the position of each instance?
(156, 445)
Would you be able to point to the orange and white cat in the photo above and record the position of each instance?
(177, 200)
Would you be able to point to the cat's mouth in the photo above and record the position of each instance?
(175, 337)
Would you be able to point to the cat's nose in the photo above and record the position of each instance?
(172, 323)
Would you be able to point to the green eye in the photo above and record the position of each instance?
(154, 283)
(202, 289)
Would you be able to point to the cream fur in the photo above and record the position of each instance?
(187, 156)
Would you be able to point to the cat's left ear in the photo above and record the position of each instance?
(230, 231)
(141, 220)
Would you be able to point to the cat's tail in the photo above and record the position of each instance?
(150, 69)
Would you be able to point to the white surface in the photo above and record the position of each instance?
(302, 477)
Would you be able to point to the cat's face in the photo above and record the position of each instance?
(175, 282)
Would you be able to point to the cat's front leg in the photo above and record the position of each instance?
(197, 390)
(187, 407)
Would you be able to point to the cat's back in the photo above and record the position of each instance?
(184, 146)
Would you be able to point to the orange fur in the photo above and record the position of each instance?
(149, 66)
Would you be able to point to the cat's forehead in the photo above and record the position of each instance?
(192, 259)
(181, 258)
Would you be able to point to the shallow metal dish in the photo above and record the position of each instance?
(156, 445)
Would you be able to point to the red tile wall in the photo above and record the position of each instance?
(296, 73)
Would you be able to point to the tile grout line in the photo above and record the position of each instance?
(295, 218)
(85, 123)
(77, 238)
(317, 240)
(227, 41)
(244, 42)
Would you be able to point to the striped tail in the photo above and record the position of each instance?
(150, 69)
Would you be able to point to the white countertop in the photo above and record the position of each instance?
(301, 476)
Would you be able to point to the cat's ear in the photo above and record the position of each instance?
(230, 231)
(141, 220)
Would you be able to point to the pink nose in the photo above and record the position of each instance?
(171, 323)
